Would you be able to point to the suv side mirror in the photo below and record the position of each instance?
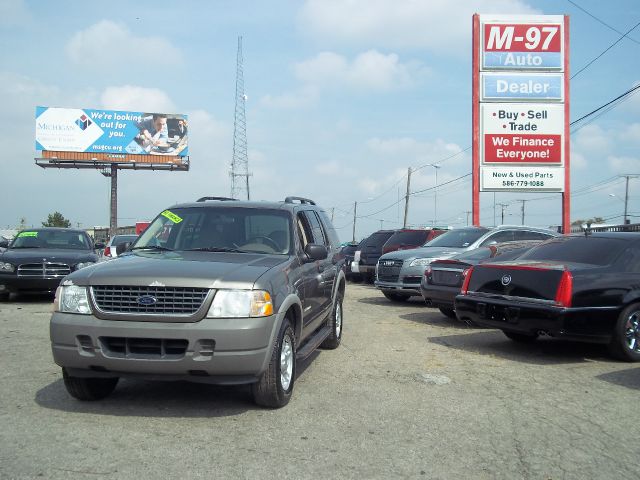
(316, 252)
(122, 247)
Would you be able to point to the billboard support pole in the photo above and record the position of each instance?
(113, 216)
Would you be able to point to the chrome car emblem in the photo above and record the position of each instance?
(147, 300)
(388, 263)
(505, 280)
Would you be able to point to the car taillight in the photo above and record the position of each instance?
(107, 251)
(565, 289)
(467, 278)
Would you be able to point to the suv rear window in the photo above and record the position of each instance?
(579, 249)
(409, 238)
(376, 240)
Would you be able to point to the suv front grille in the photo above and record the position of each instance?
(389, 270)
(149, 300)
(44, 270)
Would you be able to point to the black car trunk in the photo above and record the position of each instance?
(534, 280)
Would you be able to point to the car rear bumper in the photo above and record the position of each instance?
(439, 295)
(235, 350)
(583, 324)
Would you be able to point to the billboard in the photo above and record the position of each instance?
(111, 132)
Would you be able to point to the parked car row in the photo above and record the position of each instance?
(366, 257)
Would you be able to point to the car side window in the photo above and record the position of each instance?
(304, 230)
(630, 260)
(528, 235)
(329, 229)
(498, 237)
(316, 230)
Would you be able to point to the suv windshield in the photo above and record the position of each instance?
(236, 229)
(67, 240)
(457, 238)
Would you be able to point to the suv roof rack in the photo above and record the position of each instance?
(204, 199)
(300, 199)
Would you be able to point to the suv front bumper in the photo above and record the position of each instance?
(213, 350)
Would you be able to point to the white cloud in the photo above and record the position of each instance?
(414, 152)
(131, 97)
(301, 98)
(109, 44)
(442, 26)
(370, 70)
(623, 164)
(631, 133)
(14, 13)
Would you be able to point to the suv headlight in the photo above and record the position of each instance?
(72, 299)
(6, 267)
(420, 262)
(83, 264)
(241, 303)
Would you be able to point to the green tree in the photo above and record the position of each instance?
(594, 220)
(56, 219)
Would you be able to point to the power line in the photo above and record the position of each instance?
(602, 22)
(605, 51)
(631, 90)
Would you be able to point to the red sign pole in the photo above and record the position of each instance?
(475, 114)
(566, 195)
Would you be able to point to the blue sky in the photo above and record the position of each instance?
(343, 97)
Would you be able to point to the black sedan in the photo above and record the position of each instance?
(39, 258)
(577, 287)
(442, 279)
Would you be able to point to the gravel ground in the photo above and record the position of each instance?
(409, 394)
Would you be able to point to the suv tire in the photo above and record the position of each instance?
(274, 387)
(396, 297)
(88, 389)
(335, 322)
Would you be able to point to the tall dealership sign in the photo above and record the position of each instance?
(521, 106)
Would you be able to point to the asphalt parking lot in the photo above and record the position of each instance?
(409, 394)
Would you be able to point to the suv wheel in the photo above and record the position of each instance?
(275, 385)
(335, 322)
(88, 389)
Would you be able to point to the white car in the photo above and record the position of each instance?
(110, 249)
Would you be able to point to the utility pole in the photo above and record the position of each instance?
(332, 211)
(355, 213)
(468, 212)
(523, 211)
(626, 198)
(406, 198)
(503, 206)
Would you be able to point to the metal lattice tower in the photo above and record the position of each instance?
(240, 161)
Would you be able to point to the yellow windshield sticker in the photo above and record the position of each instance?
(171, 216)
(28, 234)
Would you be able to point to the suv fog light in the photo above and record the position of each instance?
(241, 303)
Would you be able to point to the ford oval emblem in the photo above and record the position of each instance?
(147, 300)
(505, 280)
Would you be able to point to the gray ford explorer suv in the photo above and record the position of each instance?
(216, 291)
